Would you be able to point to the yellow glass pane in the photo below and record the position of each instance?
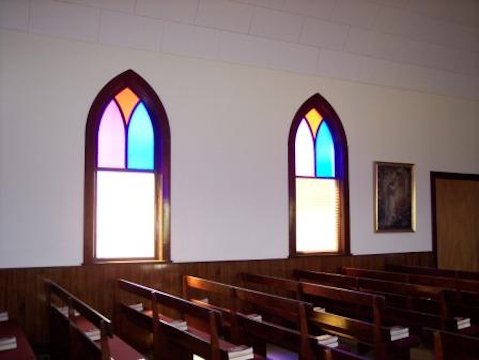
(127, 100)
(314, 119)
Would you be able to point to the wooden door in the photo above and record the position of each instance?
(455, 212)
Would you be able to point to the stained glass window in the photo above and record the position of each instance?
(318, 180)
(127, 173)
(314, 147)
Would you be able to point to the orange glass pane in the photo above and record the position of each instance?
(127, 100)
(314, 119)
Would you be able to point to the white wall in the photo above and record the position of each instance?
(229, 124)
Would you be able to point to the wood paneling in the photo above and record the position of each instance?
(22, 291)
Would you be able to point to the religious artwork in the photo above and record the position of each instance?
(395, 197)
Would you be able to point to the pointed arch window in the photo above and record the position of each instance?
(318, 180)
(127, 174)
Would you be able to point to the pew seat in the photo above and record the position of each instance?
(22, 351)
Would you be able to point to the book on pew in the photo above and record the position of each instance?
(319, 309)
(4, 316)
(462, 322)
(328, 340)
(138, 307)
(93, 334)
(241, 352)
(8, 343)
(64, 311)
(179, 324)
(398, 332)
(256, 317)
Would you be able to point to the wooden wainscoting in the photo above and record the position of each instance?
(22, 291)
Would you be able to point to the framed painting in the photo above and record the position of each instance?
(395, 197)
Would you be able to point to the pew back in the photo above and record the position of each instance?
(168, 337)
(428, 280)
(449, 345)
(426, 270)
(80, 332)
(371, 332)
(274, 310)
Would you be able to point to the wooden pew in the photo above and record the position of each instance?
(70, 322)
(432, 271)
(462, 304)
(428, 280)
(277, 313)
(462, 295)
(425, 306)
(236, 304)
(19, 346)
(413, 297)
(259, 333)
(352, 320)
(449, 345)
(201, 334)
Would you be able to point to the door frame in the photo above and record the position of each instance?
(436, 175)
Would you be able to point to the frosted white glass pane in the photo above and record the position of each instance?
(316, 215)
(125, 223)
(304, 150)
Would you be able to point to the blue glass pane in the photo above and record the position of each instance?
(325, 166)
(140, 154)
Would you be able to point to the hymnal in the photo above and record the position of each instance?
(398, 332)
(8, 343)
(256, 317)
(241, 352)
(138, 307)
(93, 334)
(462, 322)
(64, 311)
(4, 316)
(179, 324)
(328, 340)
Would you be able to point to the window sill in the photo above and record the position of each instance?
(126, 261)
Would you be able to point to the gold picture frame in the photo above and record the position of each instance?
(395, 197)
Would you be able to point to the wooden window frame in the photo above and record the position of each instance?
(341, 159)
(161, 170)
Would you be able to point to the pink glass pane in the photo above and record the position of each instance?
(304, 150)
(111, 138)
